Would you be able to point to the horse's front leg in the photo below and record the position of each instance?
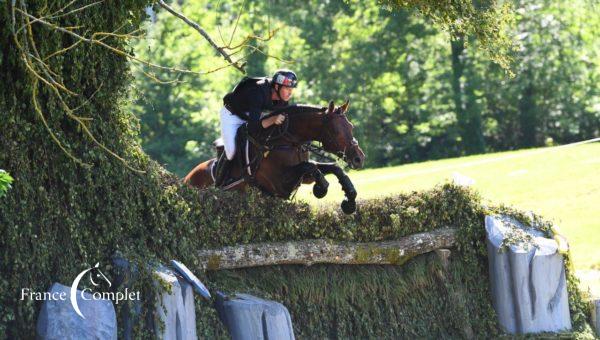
(321, 185)
(349, 204)
(306, 172)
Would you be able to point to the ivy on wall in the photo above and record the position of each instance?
(61, 217)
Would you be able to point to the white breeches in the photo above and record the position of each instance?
(229, 126)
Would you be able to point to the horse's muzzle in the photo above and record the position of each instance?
(356, 158)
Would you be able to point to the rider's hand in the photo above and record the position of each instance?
(279, 119)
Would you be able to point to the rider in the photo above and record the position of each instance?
(245, 103)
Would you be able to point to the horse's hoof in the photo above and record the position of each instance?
(319, 191)
(348, 207)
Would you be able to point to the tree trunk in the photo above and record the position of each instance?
(467, 113)
(528, 117)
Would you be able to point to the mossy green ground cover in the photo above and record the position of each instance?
(420, 299)
(560, 183)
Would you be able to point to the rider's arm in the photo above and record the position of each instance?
(257, 105)
(255, 100)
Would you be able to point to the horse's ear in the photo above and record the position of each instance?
(344, 107)
(331, 107)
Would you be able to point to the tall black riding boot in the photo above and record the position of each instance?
(223, 166)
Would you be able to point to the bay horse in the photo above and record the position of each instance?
(280, 161)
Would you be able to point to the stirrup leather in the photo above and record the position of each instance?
(222, 171)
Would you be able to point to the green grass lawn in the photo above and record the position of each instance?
(559, 183)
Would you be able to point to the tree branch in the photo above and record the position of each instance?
(203, 33)
(95, 41)
(323, 251)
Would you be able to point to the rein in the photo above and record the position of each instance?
(283, 129)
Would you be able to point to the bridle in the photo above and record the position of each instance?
(329, 138)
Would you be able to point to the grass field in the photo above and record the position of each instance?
(559, 183)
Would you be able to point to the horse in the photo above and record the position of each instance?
(280, 156)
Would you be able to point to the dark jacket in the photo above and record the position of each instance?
(249, 99)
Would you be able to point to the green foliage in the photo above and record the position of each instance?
(555, 94)
(486, 20)
(178, 113)
(61, 217)
(5, 181)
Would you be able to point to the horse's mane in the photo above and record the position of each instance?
(297, 109)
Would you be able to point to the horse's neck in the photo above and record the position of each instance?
(308, 127)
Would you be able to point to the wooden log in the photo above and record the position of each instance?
(309, 252)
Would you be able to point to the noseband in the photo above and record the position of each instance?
(329, 138)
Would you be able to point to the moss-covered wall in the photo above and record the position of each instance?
(60, 217)
(423, 298)
(420, 299)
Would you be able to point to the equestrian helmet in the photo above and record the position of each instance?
(285, 77)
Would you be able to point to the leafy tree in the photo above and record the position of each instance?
(553, 97)
(421, 86)
(5, 181)
(178, 115)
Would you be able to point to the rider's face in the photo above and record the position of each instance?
(285, 93)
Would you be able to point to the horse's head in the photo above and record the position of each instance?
(337, 136)
(95, 272)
